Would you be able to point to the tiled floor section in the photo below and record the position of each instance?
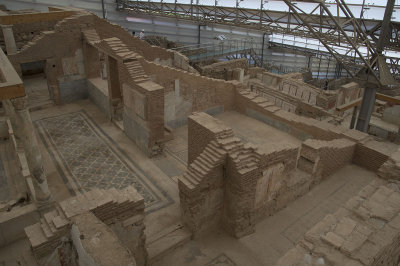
(221, 259)
(275, 235)
(88, 158)
(165, 212)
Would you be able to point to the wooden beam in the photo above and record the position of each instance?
(26, 18)
(349, 105)
(387, 98)
(357, 102)
(11, 85)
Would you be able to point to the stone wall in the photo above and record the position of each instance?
(96, 244)
(391, 168)
(24, 33)
(224, 70)
(121, 210)
(365, 231)
(150, 53)
(287, 102)
(62, 50)
(369, 153)
(99, 97)
(349, 92)
(187, 92)
(322, 158)
(296, 88)
(144, 114)
(230, 184)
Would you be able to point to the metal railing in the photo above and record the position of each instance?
(243, 48)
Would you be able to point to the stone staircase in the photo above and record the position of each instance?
(120, 49)
(211, 156)
(136, 71)
(261, 101)
(91, 36)
(244, 156)
(46, 235)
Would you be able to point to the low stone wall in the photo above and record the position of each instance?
(122, 211)
(12, 223)
(365, 231)
(72, 90)
(100, 99)
(99, 245)
(322, 158)
(391, 168)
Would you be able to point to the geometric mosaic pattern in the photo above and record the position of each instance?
(221, 260)
(88, 158)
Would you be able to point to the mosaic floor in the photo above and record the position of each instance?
(86, 158)
(221, 260)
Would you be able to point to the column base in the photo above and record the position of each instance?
(45, 205)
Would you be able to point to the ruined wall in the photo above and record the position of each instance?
(274, 189)
(201, 188)
(224, 70)
(122, 211)
(391, 168)
(24, 33)
(62, 50)
(322, 158)
(365, 231)
(151, 53)
(348, 92)
(99, 97)
(192, 93)
(230, 184)
(288, 102)
(144, 114)
(297, 88)
(369, 154)
(99, 246)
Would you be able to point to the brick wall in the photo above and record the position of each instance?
(203, 92)
(368, 153)
(230, 184)
(121, 210)
(371, 155)
(60, 48)
(144, 114)
(24, 33)
(202, 130)
(223, 70)
(324, 158)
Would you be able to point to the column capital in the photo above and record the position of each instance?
(20, 103)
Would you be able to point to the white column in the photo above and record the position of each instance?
(32, 151)
(9, 39)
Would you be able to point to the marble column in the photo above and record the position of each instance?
(32, 151)
(17, 133)
(9, 39)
